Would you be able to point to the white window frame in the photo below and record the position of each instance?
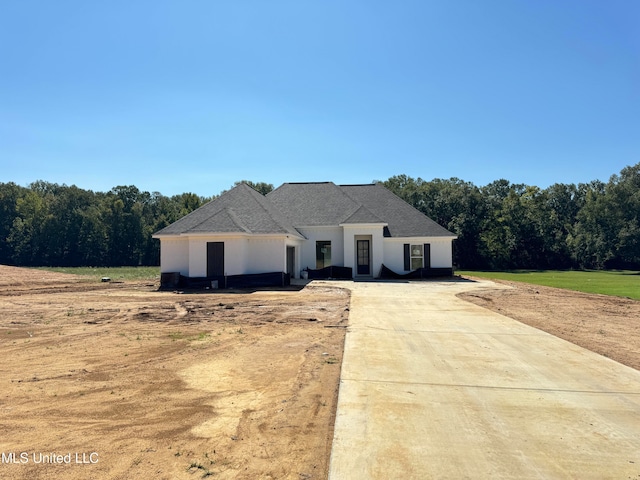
(416, 254)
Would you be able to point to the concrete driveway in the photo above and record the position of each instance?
(435, 387)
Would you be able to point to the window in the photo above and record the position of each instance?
(323, 254)
(417, 257)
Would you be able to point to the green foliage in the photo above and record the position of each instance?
(499, 226)
(620, 283)
(456, 205)
(48, 224)
(508, 226)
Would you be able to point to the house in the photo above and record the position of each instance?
(322, 229)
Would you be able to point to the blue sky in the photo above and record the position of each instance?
(192, 95)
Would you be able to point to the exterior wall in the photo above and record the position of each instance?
(441, 252)
(377, 248)
(266, 255)
(308, 247)
(235, 255)
(174, 255)
(246, 255)
(242, 254)
(298, 244)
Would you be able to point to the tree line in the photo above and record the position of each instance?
(47, 224)
(499, 226)
(510, 226)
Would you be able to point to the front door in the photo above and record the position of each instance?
(364, 267)
(215, 259)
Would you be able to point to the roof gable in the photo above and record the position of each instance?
(223, 221)
(362, 215)
(403, 219)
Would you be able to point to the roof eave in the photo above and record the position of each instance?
(452, 237)
(226, 234)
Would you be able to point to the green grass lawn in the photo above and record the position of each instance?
(114, 273)
(607, 282)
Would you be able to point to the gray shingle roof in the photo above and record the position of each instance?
(403, 219)
(240, 210)
(243, 210)
(325, 204)
(313, 204)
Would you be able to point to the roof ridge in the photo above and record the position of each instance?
(196, 225)
(373, 184)
(235, 218)
(305, 183)
(229, 211)
(265, 209)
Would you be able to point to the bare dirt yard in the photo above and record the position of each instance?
(122, 381)
(603, 324)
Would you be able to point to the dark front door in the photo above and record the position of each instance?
(363, 257)
(215, 259)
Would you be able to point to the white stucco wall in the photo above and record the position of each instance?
(235, 254)
(198, 257)
(174, 255)
(441, 252)
(242, 254)
(266, 255)
(308, 247)
(246, 255)
(350, 232)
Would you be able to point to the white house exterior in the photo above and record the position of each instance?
(242, 254)
(305, 226)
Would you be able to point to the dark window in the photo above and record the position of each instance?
(323, 254)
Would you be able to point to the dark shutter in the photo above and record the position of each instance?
(407, 257)
(427, 255)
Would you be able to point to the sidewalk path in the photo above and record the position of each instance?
(435, 387)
